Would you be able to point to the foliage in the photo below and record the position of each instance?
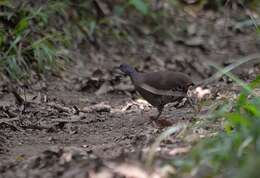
(140, 5)
(26, 42)
(235, 151)
(36, 37)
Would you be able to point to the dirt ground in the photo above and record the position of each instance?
(89, 119)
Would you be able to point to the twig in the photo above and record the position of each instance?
(4, 120)
(18, 99)
(7, 120)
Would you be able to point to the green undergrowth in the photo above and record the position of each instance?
(35, 37)
(235, 151)
(27, 42)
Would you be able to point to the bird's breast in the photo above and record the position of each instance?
(157, 100)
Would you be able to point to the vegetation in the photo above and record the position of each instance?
(234, 152)
(26, 42)
(37, 39)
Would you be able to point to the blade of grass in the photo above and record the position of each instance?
(13, 45)
(231, 67)
(235, 78)
(157, 142)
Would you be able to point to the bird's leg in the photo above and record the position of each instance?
(160, 109)
(142, 113)
(192, 104)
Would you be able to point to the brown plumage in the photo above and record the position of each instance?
(159, 88)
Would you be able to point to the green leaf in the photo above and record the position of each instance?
(242, 99)
(119, 10)
(6, 3)
(255, 83)
(140, 5)
(237, 118)
(21, 26)
(2, 38)
(252, 109)
(92, 27)
(228, 127)
(13, 45)
(258, 30)
(255, 101)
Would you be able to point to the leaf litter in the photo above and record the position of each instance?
(92, 123)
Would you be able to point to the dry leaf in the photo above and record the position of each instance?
(179, 150)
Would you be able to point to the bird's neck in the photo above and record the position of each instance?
(133, 74)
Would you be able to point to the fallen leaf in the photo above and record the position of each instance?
(100, 107)
(179, 150)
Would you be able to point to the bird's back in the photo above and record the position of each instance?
(165, 80)
(156, 86)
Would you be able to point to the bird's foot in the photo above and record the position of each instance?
(161, 122)
(154, 118)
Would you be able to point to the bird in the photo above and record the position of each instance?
(159, 88)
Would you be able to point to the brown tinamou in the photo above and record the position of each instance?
(159, 88)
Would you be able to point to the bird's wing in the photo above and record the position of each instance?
(162, 92)
(165, 80)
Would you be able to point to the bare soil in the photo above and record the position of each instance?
(73, 124)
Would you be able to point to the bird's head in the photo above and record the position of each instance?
(127, 69)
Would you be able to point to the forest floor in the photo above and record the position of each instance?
(89, 121)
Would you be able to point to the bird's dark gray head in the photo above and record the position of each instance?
(127, 69)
